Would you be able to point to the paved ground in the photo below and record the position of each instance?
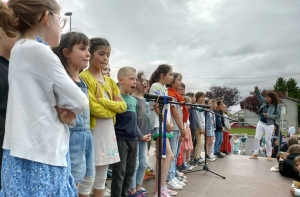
(244, 178)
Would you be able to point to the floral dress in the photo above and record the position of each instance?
(23, 177)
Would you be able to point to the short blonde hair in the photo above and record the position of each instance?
(187, 99)
(124, 71)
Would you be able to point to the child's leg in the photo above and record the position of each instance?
(100, 178)
(119, 169)
(130, 165)
(165, 164)
(174, 147)
(143, 161)
(133, 181)
(198, 145)
(188, 155)
(184, 156)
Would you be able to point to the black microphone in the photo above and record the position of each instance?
(155, 97)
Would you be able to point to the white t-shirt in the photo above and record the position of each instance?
(157, 89)
(37, 83)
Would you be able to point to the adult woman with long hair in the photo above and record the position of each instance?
(269, 112)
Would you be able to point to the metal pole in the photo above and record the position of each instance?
(70, 22)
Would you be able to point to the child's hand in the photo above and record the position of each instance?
(65, 115)
(265, 114)
(202, 131)
(118, 98)
(146, 138)
(170, 127)
(292, 191)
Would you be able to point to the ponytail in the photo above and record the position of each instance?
(7, 21)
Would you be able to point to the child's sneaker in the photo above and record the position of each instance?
(171, 192)
(149, 169)
(180, 178)
(143, 190)
(146, 178)
(172, 184)
(149, 174)
(164, 192)
(179, 182)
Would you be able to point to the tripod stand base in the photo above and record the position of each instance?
(205, 168)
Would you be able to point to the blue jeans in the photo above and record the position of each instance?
(141, 164)
(236, 152)
(218, 142)
(174, 147)
(81, 150)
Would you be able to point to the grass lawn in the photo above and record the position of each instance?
(245, 130)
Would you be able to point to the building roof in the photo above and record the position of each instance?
(293, 99)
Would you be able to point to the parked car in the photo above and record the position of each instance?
(242, 125)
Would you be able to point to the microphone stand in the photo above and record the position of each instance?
(161, 103)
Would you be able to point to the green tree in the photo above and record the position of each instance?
(280, 85)
(292, 88)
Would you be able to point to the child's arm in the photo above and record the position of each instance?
(177, 118)
(67, 94)
(105, 108)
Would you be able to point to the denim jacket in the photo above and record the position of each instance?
(271, 116)
(83, 119)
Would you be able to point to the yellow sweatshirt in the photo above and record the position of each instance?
(101, 107)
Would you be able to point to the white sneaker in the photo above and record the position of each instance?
(179, 182)
(173, 185)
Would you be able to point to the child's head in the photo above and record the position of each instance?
(40, 16)
(7, 34)
(297, 163)
(127, 79)
(292, 141)
(294, 149)
(141, 85)
(214, 104)
(73, 50)
(280, 155)
(236, 137)
(219, 105)
(106, 70)
(192, 96)
(148, 85)
(208, 102)
(187, 99)
(163, 74)
(176, 82)
(224, 109)
(200, 97)
(100, 53)
(182, 89)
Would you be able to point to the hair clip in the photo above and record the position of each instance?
(40, 40)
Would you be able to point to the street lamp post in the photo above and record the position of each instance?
(70, 15)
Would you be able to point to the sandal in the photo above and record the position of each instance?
(269, 158)
(254, 156)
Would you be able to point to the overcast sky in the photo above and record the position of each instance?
(237, 43)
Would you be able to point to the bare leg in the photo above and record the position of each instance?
(166, 162)
(98, 193)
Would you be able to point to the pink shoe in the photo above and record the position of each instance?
(164, 192)
(171, 192)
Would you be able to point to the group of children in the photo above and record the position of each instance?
(67, 120)
(289, 163)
